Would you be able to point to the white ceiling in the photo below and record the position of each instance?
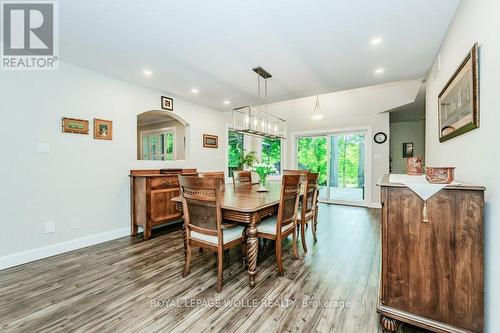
(310, 47)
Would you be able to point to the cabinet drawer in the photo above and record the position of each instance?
(164, 182)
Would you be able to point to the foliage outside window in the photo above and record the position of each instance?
(271, 153)
(312, 156)
(349, 154)
(235, 152)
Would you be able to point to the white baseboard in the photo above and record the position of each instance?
(374, 205)
(20, 258)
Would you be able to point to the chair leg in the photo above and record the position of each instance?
(314, 226)
(226, 256)
(294, 244)
(187, 261)
(278, 256)
(220, 268)
(303, 236)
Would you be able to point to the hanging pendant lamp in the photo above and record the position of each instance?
(317, 115)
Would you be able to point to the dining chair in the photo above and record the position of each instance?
(308, 210)
(302, 173)
(280, 226)
(242, 178)
(201, 203)
(217, 174)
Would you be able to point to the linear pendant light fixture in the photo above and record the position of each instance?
(255, 120)
(317, 115)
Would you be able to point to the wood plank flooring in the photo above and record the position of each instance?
(130, 285)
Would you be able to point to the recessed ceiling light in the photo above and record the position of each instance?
(195, 91)
(226, 102)
(147, 72)
(376, 41)
(379, 71)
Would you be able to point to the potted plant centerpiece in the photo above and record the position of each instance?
(263, 169)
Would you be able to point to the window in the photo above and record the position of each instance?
(235, 151)
(158, 144)
(271, 153)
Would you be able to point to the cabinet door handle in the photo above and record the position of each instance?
(168, 182)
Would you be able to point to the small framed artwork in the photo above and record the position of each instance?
(459, 100)
(167, 103)
(407, 149)
(103, 129)
(75, 126)
(210, 141)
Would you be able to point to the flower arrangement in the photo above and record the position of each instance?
(263, 169)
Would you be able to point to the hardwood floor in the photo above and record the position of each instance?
(131, 285)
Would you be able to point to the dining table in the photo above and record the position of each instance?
(245, 205)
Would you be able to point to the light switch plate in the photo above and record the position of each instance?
(42, 148)
(75, 223)
(50, 227)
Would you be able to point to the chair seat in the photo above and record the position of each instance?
(268, 226)
(299, 214)
(228, 235)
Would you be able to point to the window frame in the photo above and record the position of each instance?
(163, 130)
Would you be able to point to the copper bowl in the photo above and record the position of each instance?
(440, 175)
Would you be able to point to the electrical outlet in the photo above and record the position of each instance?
(50, 227)
(75, 223)
(42, 148)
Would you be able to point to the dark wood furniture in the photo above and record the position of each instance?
(247, 206)
(280, 226)
(151, 192)
(432, 272)
(201, 203)
(308, 209)
(242, 178)
(217, 174)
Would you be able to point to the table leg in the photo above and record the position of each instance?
(252, 248)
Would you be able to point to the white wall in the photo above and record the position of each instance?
(81, 177)
(406, 131)
(475, 154)
(357, 108)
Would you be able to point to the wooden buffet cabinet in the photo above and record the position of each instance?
(432, 272)
(151, 194)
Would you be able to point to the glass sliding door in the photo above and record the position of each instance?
(312, 155)
(347, 167)
(339, 158)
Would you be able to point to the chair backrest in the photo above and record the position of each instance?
(310, 195)
(302, 173)
(242, 178)
(201, 203)
(289, 201)
(217, 174)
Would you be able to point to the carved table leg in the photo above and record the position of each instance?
(252, 248)
(389, 325)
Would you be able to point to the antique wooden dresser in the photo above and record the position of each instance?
(432, 272)
(151, 194)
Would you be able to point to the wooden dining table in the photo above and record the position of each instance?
(247, 206)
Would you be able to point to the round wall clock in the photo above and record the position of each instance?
(380, 137)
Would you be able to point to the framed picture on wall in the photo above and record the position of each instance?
(103, 129)
(210, 141)
(167, 103)
(459, 100)
(407, 149)
(75, 126)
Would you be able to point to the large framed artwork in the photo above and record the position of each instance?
(459, 100)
